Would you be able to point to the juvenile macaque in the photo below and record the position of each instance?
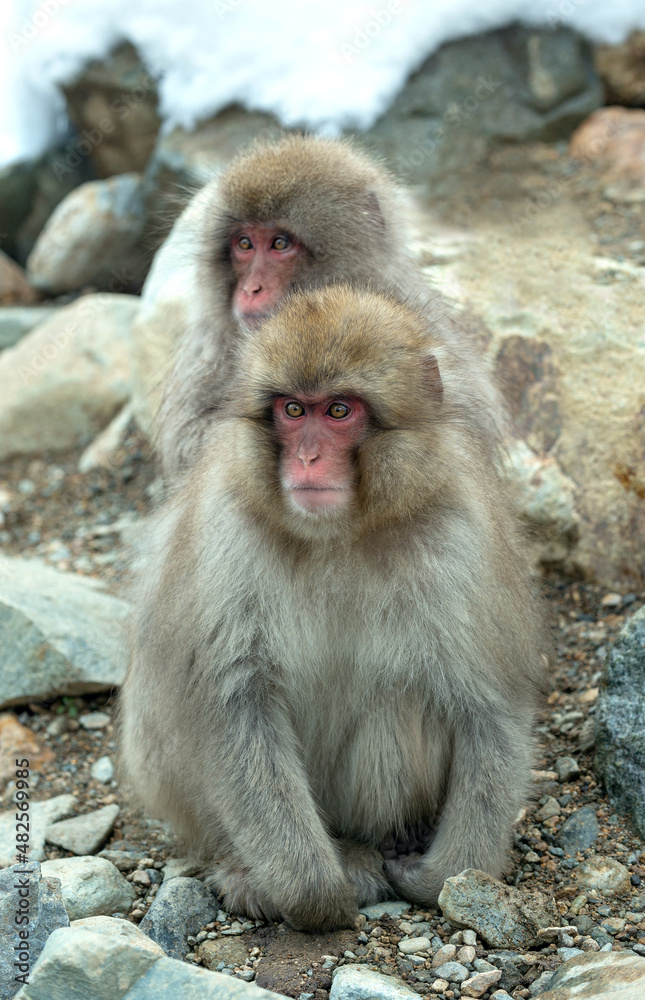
(335, 649)
(294, 214)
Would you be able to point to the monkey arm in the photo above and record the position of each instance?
(490, 770)
(267, 810)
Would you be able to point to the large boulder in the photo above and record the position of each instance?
(63, 382)
(113, 103)
(93, 238)
(620, 722)
(566, 347)
(59, 634)
(43, 912)
(516, 84)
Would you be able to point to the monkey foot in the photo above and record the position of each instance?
(238, 896)
(414, 842)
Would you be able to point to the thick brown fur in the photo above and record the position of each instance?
(305, 686)
(337, 202)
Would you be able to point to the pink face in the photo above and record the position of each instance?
(263, 259)
(318, 437)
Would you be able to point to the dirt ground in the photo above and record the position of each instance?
(87, 524)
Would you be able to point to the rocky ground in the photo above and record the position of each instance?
(88, 524)
(85, 523)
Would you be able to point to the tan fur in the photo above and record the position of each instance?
(341, 205)
(303, 686)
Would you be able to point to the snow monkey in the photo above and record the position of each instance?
(294, 214)
(335, 639)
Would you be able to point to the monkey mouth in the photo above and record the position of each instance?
(317, 499)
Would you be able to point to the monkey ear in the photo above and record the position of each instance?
(373, 209)
(432, 377)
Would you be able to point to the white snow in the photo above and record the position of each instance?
(326, 64)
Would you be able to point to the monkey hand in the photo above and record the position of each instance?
(330, 907)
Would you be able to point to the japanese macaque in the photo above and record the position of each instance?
(335, 648)
(298, 213)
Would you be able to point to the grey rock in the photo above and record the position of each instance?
(97, 961)
(84, 834)
(29, 192)
(169, 979)
(568, 953)
(95, 720)
(609, 877)
(519, 84)
(181, 907)
(42, 815)
(354, 982)
(45, 912)
(599, 976)
(16, 321)
(102, 770)
(477, 985)
(446, 953)
(93, 237)
(567, 768)
(60, 634)
(579, 831)
(63, 382)
(511, 976)
(396, 908)
(231, 951)
(414, 946)
(500, 914)
(620, 722)
(541, 984)
(454, 972)
(90, 886)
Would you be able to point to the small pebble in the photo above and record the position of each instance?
(102, 770)
(95, 720)
(447, 953)
(566, 768)
(248, 975)
(454, 972)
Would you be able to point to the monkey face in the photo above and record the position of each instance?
(263, 259)
(318, 438)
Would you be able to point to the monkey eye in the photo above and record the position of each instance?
(281, 243)
(338, 411)
(294, 409)
(244, 243)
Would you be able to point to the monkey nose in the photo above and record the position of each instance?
(308, 457)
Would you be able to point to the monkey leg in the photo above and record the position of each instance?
(488, 777)
(288, 863)
(364, 866)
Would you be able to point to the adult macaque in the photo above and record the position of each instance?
(295, 214)
(335, 647)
